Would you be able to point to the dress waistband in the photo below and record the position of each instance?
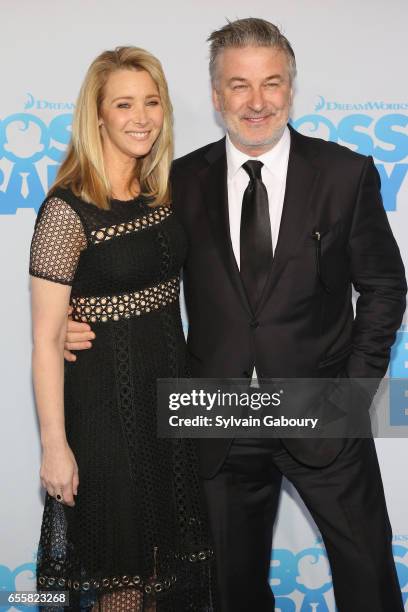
(125, 305)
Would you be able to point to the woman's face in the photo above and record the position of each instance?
(131, 114)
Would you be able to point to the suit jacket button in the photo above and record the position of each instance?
(254, 324)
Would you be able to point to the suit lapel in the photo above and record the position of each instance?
(214, 181)
(301, 181)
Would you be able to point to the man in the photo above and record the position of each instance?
(280, 227)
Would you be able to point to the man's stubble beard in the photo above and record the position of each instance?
(267, 143)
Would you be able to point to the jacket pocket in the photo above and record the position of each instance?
(317, 237)
(322, 239)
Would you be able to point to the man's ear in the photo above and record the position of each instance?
(216, 99)
(291, 96)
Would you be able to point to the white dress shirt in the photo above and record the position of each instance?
(274, 170)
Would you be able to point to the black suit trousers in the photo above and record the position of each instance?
(346, 500)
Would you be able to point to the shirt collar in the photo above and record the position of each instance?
(275, 160)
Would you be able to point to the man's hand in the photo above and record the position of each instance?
(78, 338)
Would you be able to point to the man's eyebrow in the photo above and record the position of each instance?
(235, 78)
(268, 78)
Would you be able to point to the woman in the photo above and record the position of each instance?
(122, 527)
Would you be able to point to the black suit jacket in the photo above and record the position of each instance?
(304, 325)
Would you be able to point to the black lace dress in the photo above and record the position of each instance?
(137, 536)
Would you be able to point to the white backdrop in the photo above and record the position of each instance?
(351, 88)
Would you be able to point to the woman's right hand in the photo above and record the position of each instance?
(59, 472)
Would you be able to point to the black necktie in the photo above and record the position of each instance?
(255, 235)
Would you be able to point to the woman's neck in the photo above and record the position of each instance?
(120, 171)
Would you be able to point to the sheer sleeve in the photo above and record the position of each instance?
(57, 242)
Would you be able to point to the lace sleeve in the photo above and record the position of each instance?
(57, 242)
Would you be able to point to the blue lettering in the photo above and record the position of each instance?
(314, 603)
(25, 139)
(285, 572)
(60, 131)
(52, 170)
(42, 104)
(289, 573)
(24, 189)
(348, 133)
(391, 184)
(402, 569)
(385, 133)
(284, 604)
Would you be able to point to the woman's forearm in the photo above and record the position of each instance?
(48, 376)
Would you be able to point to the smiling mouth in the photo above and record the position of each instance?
(255, 120)
(138, 135)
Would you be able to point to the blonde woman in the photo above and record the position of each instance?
(122, 527)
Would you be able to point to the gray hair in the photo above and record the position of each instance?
(249, 32)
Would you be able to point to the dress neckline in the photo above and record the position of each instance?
(131, 201)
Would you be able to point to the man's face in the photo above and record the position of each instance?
(253, 93)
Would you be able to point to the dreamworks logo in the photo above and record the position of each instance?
(41, 104)
(377, 105)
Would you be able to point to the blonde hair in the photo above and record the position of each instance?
(83, 168)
